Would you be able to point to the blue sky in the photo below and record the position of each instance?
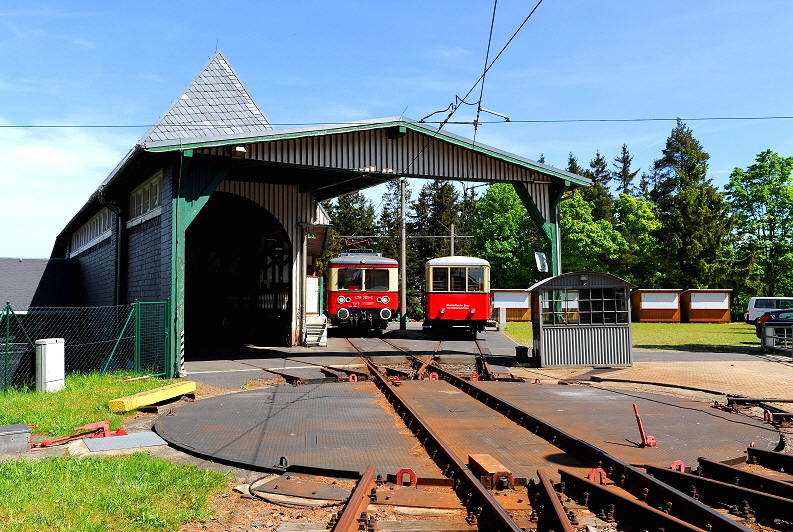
(123, 63)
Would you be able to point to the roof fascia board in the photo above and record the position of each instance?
(312, 131)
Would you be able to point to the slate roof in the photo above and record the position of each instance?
(214, 103)
(39, 282)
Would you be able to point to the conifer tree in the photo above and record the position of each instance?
(598, 194)
(623, 173)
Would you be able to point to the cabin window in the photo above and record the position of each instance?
(440, 279)
(457, 279)
(377, 280)
(350, 279)
(476, 279)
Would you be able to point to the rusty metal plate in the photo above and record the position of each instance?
(302, 487)
(417, 498)
(336, 429)
(684, 429)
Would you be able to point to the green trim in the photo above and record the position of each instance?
(368, 127)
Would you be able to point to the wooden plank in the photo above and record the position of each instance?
(131, 402)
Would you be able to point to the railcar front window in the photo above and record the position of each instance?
(377, 280)
(476, 279)
(350, 279)
(440, 279)
(457, 279)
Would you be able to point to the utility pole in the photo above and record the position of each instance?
(402, 258)
(452, 242)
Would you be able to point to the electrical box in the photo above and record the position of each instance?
(50, 365)
(14, 439)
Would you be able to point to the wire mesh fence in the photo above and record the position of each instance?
(97, 339)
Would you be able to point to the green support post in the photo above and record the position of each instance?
(549, 229)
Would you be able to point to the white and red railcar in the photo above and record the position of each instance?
(457, 294)
(362, 291)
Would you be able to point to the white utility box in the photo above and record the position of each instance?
(50, 365)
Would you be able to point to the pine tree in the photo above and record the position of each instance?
(696, 219)
(623, 174)
(389, 221)
(598, 194)
(351, 215)
(572, 165)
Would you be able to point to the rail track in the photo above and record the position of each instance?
(713, 497)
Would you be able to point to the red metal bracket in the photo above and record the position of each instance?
(647, 440)
(595, 472)
(678, 465)
(353, 378)
(433, 376)
(406, 471)
(474, 376)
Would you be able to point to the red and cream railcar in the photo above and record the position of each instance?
(457, 294)
(362, 290)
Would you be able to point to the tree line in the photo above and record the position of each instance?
(669, 227)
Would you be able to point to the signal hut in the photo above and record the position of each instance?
(581, 319)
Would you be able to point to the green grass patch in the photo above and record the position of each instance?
(84, 400)
(718, 337)
(120, 493)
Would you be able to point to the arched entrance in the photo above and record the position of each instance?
(237, 277)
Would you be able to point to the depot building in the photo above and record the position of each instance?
(220, 213)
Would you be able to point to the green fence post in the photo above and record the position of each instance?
(167, 358)
(136, 307)
(8, 333)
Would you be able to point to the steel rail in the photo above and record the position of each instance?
(609, 505)
(349, 520)
(288, 377)
(335, 369)
(746, 479)
(629, 478)
(552, 516)
(483, 366)
(764, 506)
(770, 459)
(480, 503)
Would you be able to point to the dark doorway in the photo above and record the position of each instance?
(237, 277)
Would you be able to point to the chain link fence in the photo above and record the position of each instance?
(97, 339)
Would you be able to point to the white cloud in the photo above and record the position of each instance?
(151, 77)
(47, 176)
(83, 43)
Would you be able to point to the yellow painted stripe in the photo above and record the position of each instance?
(131, 402)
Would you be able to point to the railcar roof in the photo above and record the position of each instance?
(458, 260)
(356, 258)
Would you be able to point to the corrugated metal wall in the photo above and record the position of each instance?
(290, 207)
(415, 154)
(586, 346)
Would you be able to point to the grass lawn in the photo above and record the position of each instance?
(84, 400)
(720, 337)
(135, 492)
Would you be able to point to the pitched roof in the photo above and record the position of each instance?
(214, 103)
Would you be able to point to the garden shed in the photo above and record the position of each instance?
(706, 305)
(658, 305)
(511, 304)
(581, 319)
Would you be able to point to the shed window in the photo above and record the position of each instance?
(146, 200)
(585, 306)
(94, 231)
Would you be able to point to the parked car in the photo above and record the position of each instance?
(760, 305)
(782, 318)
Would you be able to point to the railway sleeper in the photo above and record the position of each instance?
(767, 509)
(770, 459)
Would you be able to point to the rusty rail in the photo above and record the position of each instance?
(552, 516)
(354, 513)
(741, 501)
(288, 377)
(746, 479)
(611, 506)
(627, 477)
(770, 459)
(481, 504)
(334, 370)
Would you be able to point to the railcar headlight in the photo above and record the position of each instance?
(473, 311)
(340, 300)
(443, 311)
(385, 299)
(385, 314)
(343, 313)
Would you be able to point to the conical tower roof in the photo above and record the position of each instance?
(214, 103)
